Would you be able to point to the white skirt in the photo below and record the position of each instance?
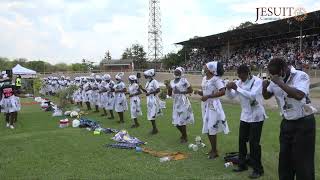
(110, 101)
(95, 98)
(86, 96)
(214, 120)
(135, 107)
(11, 104)
(120, 103)
(153, 106)
(77, 97)
(182, 113)
(103, 100)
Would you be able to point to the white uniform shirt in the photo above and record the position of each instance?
(182, 86)
(226, 82)
(119, 86)
(152, 86)
(109, 85)
(95, 85)
(251, 99)
(212, 85)
(86, 86)
(133, 89)
(290, 108)
(103, 86)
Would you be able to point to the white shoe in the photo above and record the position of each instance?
(8, 125)
(11, 127)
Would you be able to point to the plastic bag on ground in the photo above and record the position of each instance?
(38, 99)
(124, 137)
(57, 112)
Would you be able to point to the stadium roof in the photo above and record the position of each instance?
(284, 28)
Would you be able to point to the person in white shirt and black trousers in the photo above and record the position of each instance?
(297, 131)
(249, 91)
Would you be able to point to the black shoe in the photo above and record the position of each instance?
(183, 141)
(154, 131)
(255, 175)
(240, 169)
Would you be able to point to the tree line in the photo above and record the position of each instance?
(135, 52)
(41, 66)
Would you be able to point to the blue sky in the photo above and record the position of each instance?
(69, 30)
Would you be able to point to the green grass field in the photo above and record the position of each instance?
(38, 149)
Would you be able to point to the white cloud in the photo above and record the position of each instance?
(18, 38)
(189, 20)
(65, 39)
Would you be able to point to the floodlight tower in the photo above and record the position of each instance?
(154, 31)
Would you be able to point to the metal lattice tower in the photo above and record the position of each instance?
(154, 33)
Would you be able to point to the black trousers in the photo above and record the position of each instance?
(250, 132)
(297, 147)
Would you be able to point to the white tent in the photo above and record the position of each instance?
(19, 70)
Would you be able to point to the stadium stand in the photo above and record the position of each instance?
(294, 39)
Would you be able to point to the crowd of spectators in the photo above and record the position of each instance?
(258, 54)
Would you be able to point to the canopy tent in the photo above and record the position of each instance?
(24, 72)
(19, 70)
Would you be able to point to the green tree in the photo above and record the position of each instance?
(137, 54)
(78, 67)
(245, 25)
(21, 61)
(5, 63)
(88, 65)
(48, 67)
(107, 57)
(127, 54)
(38, 66)
(176, 59)
(62, 67)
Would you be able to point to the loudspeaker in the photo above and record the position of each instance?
(9, 73)
(138, 75)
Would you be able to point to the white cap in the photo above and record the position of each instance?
(106, 77)
(98, 77)
(133, 77)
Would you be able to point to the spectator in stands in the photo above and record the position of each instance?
(258, 54)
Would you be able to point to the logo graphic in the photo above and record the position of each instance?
(277, 13)
(300, 14)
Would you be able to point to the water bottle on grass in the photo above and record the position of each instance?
(165, 159)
